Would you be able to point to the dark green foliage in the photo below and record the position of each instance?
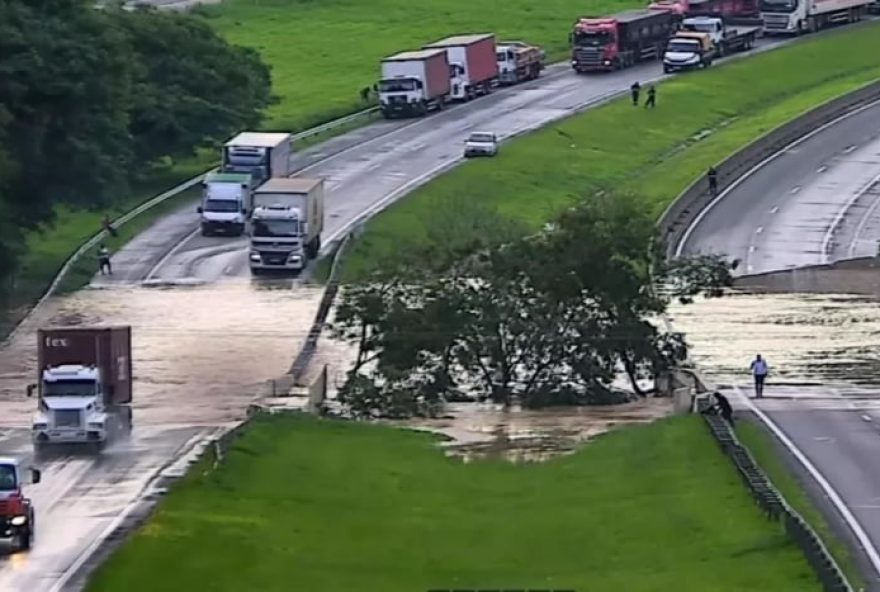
(93, 99)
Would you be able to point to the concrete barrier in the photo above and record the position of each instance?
(686, 207)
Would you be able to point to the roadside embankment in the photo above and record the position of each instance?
(302, 503)
(700, 120)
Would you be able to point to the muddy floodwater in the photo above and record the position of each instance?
(201, 354)
(826, 334)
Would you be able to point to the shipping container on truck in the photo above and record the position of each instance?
(472, 59)
(732, 11)
(796, 17)
(602, 44)
(84, 385)
(287, 224)
(414, 83)
(261, 155)
(518, 61)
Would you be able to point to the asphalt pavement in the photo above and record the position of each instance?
(200, 349)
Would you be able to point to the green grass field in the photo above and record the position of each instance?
(323, 53)
(762, 446)
(701, 118)
(308, 504)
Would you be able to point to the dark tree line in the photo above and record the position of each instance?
(547, 320)
(91, 100)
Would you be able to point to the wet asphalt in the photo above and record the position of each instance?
(207, 337)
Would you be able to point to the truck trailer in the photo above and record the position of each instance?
(727, 40)
(286, 224)
(730, 10)
(85, 386)
(620, 40)
(414, 83)
(473, 65)
(226, 203)
(260, 155)
(796, 17)
(518, 61)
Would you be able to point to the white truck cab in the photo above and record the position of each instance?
(277, 238)
(71, 406)
(226, 200)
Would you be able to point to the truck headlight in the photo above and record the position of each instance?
(255, 256)
(294, 258)
(18, 520)
(607, 62)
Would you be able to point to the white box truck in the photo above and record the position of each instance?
(261, 155)
(286, 225)
(226, 203)
(795, 17)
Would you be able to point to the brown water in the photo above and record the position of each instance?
(200, 353)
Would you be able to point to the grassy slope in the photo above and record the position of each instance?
(305, 504)
(701, 118)
(765, 451)
(324, 52)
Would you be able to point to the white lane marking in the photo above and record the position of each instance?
(774, 209)
(759, 230)
(863, 222)
(849, 149)
(841, 213)
(87, 553)
(822, 168)
(866, 417)
(752, 249)
(796, 188)
(174, 250)
(679, 249)
(826, 486)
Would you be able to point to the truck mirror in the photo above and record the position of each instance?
(199, 210)
(36, 475)
(30, 390)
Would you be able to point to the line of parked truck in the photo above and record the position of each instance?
(689, 34)
(455, 69)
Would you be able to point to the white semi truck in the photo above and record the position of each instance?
(414, 83)
(261, 155)
(227, 200)
(84, 390)
(796, 17)
(286, 225)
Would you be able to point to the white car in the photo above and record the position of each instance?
(481, 144)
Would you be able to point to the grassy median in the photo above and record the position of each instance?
(700, 119)
(306, 504)
(324, 53)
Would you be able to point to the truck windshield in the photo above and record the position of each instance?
(481, 137)
(779, 5)
(699, 28)
(221, 205)
(268, 228)
(683, 46)
(69, 388)
(398, 85)
(7, 478)
(593, 39)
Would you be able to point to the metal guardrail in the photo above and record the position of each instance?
(307, 351)
(687, 206)
(775, 506)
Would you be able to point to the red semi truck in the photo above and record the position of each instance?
(473, 64)
(84, 388)
(414, 82)
(730, 10)
(620, 40)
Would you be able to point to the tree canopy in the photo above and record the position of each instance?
(93, 99)
(546, 320)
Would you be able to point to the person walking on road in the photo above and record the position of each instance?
(652, 97)
(634, 90)
(759, 370)
(104, 260)
(713, 180)
(724, 408)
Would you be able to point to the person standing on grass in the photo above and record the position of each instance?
(108, 226)
(635, 90)
(759, 370)
(104, 260)
(652, 97)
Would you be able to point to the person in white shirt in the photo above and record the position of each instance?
(759, 370)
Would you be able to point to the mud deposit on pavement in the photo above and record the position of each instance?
(200, 353)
